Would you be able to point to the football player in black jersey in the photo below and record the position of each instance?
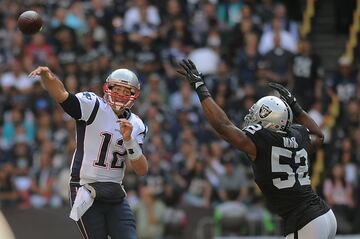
(278, 149)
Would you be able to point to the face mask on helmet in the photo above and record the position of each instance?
(121, 89)
(271, 112)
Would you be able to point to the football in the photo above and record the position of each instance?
(30, 22)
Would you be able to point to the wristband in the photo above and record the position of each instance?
(133, 149)
(203, 92)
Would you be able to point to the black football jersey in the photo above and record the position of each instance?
(281, 171)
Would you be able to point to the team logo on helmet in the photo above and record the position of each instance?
(264, 111)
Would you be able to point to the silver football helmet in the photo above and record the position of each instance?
(126, 78)
(271, 112)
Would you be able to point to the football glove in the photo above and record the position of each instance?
(289, 98)
(195, 78)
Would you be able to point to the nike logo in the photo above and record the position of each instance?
(197, 84)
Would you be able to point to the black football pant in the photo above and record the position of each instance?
(103, 219)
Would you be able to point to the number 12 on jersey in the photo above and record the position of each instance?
(301, 174)
(118, 157)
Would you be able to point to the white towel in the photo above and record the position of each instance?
(83, 202)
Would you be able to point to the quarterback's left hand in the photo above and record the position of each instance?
(125, 129)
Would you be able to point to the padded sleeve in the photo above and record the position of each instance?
(72, 106)
(87, 102)
(139, 130)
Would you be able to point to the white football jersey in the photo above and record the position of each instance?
(100, 154)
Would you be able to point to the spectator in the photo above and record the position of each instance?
(308, 74)
(356, 147)
(9, 196)
(141, 17)
(42, 186)
(201, 19)
(75, 18)
(339, 195)
(230, 216)
(16, 78)
(247, 59)
(173, 11)
(233, 182)
(286, 24)
(157, 174)
(344, 80)
(239, 32)
(229, 12)
(149, 214)
(171, 56)
(185, 98)
(350, 169)
(214, 169)
(17, 127)
(199, 192)
(286, 40)
(38, 52)
(278, 61)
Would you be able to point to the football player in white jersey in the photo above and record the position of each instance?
(107, 135)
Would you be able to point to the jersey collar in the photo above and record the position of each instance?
(126, 114)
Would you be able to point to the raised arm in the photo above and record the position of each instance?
(51, 83)
(301, 117)
(214, 114)
(316, 135)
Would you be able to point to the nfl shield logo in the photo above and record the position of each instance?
(264, 111)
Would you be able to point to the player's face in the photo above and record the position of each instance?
(121, 90)
(121, 94)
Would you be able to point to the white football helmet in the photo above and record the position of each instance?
(122, 77)
(271, 112)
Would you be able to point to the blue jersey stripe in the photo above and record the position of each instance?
(79, 153)
(93, 113)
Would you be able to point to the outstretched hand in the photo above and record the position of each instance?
(286, 95)
(191, 73)
(42, 71)
(195, 78)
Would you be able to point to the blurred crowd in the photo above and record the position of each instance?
(238, 45)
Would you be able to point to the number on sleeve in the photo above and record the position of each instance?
(87, 95)
(253, 128)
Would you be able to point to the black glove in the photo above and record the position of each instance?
(286, 95)
(195, 78)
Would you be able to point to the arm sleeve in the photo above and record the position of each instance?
(87, 101)
(72, 106)
(304, 133)
(140, 131)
